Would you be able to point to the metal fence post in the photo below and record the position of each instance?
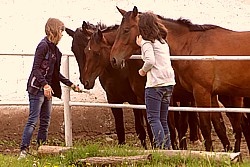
(66, 99)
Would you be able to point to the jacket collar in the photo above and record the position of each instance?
(52, 46)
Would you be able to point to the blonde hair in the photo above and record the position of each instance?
(53, 30)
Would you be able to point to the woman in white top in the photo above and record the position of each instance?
(160, 76)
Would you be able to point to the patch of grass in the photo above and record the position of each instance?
(98, 149)
(8, 142)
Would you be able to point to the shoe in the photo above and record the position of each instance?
(22, 155)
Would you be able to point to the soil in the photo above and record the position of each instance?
(88, 124)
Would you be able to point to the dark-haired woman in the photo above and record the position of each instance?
(160, 76)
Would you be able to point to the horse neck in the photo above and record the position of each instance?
(177, 36)
(110, 37)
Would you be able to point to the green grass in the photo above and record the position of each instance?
(98, 149)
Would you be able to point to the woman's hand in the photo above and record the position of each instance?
(76, 88)
(142, 73)
(48, 92)
(138, 40)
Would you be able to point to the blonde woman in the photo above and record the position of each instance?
(43, 83)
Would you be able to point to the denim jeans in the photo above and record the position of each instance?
(39, 107)
(157, 102)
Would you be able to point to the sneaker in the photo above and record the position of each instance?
(22, 155)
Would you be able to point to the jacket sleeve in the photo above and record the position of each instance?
(149, 57)
(40, 53)
(65, 80)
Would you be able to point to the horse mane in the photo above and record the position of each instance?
(190, 25)
(196, 27)
(104, 28)
(110, 28)
(101, 26)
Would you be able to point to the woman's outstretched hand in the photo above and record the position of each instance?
(76, 88)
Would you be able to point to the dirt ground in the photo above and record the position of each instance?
(89, 123)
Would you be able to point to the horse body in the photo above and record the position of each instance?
(221, 76)
(204, 79)
(97, 62)
(115, 93)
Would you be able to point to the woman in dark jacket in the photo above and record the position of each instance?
(43, 83)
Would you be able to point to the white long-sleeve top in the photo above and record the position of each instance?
(157, 64)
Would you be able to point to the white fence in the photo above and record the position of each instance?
(67, 103)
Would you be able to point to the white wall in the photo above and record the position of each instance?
(22, 27)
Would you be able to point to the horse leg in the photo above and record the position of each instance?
(193, 122)
(220, 129)
(190, 118)
(139, 127)
(119, 126)
(203, 99)
(149, 130)
(235, 118)
(205, 125)
(183, 123)
(139, 123)
(245, 129)
(246, 104)
(173, 121)
(194, 126)
(219, 125)
(171, 125)
(246, 122)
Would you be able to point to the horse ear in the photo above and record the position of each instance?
(121, 11)
(99, 35)
(135, 11)
(70, 32)
(84, 25)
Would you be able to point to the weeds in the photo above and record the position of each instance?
(97, 149)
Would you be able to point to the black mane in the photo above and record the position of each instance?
(196, 27)
(110, 28)
(101, 26)
(190, 25)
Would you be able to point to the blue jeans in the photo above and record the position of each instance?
(40, 107)
(157, 101)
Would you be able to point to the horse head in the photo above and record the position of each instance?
(97, 58)
(80, 40)
(97, 54)
(125, 38)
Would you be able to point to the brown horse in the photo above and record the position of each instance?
(97, 63)
(115, 94)
(204, 79)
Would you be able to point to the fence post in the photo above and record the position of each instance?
(66, 99)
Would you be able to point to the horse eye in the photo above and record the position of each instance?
(97, 54)
(126, 30)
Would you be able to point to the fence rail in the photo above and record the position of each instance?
(179, 57)
(67, 103)
(131, 106)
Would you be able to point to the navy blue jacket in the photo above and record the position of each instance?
(46, 69)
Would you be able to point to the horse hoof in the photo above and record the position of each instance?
(144, 144)
(196, 143)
